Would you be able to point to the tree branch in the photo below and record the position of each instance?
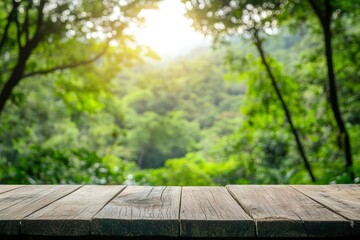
(24, 54)
(317, 11)
(18, 33)
(68, 66)
(39, 22)
(25, 27)
(9, 20)
(258, 44)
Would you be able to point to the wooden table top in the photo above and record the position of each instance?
(133, 211)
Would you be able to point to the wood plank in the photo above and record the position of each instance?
(281, 211)
(71, 215)
(342, 199)
(140, 211)
(21, 202)
(6, 188)
(212, 212)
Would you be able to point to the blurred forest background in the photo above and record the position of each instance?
(276, 100)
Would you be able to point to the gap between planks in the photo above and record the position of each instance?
(281, 211)
(7, 188)
(71, 215)
(20, 202)
(180, 220)
(342, 202)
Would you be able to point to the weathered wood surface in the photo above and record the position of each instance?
(342, 199)
(140, 211)
(16, 204)
(281, 211)
(212, 212)
(132, 211)
(71, 215)
(6, 188)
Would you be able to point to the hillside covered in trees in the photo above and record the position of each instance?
(276, 100)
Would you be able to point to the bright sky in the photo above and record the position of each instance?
(168, 32)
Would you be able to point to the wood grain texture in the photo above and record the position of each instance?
(134, 211)
(342, 199)
(140, 211)
(212, 212)
(21, 202)
(70, 215)
(281, 211)
(6, 188)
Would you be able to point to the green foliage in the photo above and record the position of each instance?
(192, 170)
(77, 125)
(181, 123)
(156, 138)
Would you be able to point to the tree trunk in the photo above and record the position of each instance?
(332, 88)
(14, 78)
(24, 54)
(284, 106)
(325, 20)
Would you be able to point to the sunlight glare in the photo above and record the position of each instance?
(168, 32)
